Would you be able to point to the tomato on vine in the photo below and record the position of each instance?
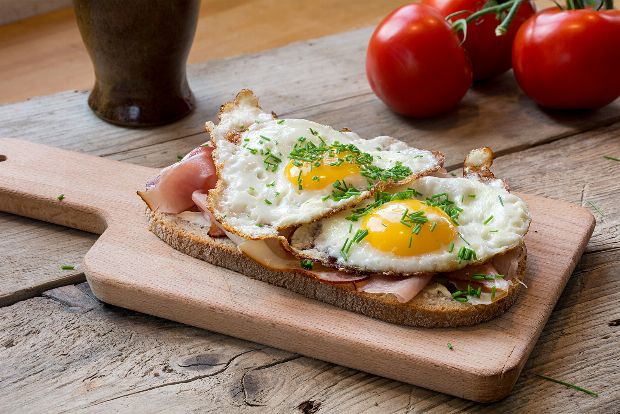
(569, 59)
(490, 54)
(415, 63)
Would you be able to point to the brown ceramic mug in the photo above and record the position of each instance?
(139, 51)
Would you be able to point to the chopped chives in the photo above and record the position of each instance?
(457, 293)
(306, 264)
(350, 227)
(450, 347)
(359, 235)
(61, 197)
(472, 196)
(568, 384)
(67, 267)
(607, 157)
(451, 248)
(461, 299)
(493, 293)
(268, 202)
(433, 226)
(265, 138)
(596, 208)
(488, 220)
(280, 122)
(462, 238)
(410, 240)
(500, 200)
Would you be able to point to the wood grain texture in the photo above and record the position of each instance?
(112, 359)
(32, 254)
(495, 114)
(130, 267)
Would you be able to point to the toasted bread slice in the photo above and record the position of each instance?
(431, 308)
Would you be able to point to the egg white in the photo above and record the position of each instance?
(256, 202)
(323, 240)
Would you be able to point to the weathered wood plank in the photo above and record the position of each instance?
(31, 254)
(288, 82)
(112, 359)
(574, 169)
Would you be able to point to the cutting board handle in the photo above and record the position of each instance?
(68, 188)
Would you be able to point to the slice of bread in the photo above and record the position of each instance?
(430, 308)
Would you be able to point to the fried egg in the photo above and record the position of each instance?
(435, 224)
(277, 173)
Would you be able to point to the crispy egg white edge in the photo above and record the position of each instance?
(242, 210)
(313, 242)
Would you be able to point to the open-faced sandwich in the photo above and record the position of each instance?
(370, 225)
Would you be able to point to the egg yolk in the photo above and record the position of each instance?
(390, 230)
(309, 176)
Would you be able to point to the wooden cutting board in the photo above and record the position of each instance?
(130, 267)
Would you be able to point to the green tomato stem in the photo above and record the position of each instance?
(503, 27)
(494, 9)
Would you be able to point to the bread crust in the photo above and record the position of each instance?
(427, 309)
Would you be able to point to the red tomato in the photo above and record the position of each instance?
(569, 59)
(415, 63)
(490, 55)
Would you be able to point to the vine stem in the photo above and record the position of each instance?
(494, 9)
(503, 27)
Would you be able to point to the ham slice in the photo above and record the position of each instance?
(171, 191)
(200, 199)
(404, 289)
(270, 254)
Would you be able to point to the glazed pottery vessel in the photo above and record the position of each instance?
(139, 51)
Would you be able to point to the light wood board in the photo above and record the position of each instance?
(130, 267)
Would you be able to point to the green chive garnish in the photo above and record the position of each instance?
(280, 122)
(596, 208)
(607, 157)
(488, 220)
(450, 347)
(268, 202)
(492, 293)
(462, 238)
(451, 248)
(306, 264)
(500, 200)
(568, 384)
(67, 267)
(433, 226)
(61, 197)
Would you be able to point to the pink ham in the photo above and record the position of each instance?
(404, 289)
(200, 199)
(171, 191)
(270, 254)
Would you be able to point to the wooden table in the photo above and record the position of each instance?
(61, 349)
